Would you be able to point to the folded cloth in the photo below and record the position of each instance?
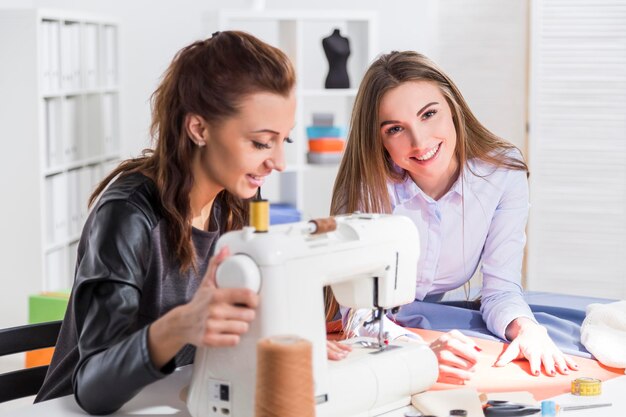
(603, 333)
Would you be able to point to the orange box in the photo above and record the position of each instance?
(324, 145)
(39, 357)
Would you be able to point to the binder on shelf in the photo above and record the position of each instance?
(70, 56)
(84, 191)
(109, 125)
(54, 55)
(72, 133)
(56, 270)
(49, 212)
(76, 65)
(110, 59)
(91, 56)
(97, 175)
(92, 140)
(60, 207)
(53, 145)
(66, 57)
(72, 254)
(46, 60)
(73, 203)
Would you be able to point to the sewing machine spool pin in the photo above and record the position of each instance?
(324, 225)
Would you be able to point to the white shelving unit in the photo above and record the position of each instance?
(308, 187)
(59, 114)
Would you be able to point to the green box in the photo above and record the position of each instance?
(49, 306)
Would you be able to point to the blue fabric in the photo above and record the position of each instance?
(281, 213)
(561, 314)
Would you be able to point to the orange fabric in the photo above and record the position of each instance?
(326, 145)
(512, 377)
(39, 357)
(333, 328)
(516, 375)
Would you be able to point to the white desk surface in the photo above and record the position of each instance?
(163, 398)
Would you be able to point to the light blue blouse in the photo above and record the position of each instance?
(480, 220)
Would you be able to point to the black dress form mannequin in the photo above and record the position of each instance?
(337, 49)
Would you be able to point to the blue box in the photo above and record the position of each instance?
(283, 213)
(316, 132)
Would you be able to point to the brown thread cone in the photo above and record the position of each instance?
(284, 384)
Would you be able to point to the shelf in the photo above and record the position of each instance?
(304, 15)
(83, 92)
(335, 92)
(310, 167)
(80, 163)
(61, 243)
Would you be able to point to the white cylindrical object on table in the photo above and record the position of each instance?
(380, 382)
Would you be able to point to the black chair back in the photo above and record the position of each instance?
(25, 382)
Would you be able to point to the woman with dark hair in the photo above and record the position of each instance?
(416, 149)
(144, 293)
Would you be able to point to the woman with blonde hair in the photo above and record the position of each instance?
(415, 148)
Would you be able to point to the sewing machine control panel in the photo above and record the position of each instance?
(220, 397)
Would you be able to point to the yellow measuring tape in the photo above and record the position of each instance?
(586, 386)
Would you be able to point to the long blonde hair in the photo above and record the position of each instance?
(366, 167)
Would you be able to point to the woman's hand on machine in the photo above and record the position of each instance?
(218, 316)
(336, 350)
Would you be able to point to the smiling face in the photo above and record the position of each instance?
(417, 130)
(241, 151)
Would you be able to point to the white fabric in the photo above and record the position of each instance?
(603, 333)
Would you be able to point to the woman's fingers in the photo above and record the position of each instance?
(560, 364)
(465, 339)
(458, 346)
(548, 363)
(221, 340)
(231, 312)
(571, 363)
(457, 357)
(238, 327)
(511, 353)
(450, 374)
(235, 296)
(447, 357)
(209, 276)
(336, 351)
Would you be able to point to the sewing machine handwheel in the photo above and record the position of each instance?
(238, 271)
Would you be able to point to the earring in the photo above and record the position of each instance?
(200, 144)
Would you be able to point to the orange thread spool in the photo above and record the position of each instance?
(324, 225)
(284, 384)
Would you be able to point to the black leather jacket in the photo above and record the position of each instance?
(125, 279)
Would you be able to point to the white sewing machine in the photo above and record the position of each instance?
(370, 261)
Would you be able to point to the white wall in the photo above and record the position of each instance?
(151, 32)
(483, 47)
